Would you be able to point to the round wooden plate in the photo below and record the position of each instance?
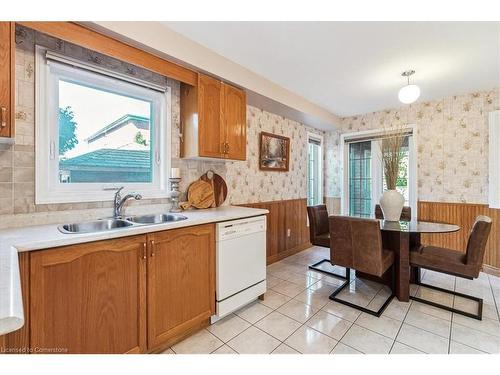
(201, 194)
(219, 187)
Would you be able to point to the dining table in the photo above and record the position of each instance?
(402, 237)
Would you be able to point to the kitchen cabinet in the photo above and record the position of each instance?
(128, 295)
(181, 281)
(213, 120)
(235, 125)
(89, 298)
(7, 54)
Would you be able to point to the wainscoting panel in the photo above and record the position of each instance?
(464, 215)
(287, 230)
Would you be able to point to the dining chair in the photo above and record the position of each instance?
(405, 214)
(356, 243)
(457, 263)
(319, 234)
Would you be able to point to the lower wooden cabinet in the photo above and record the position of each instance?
(89, 298)
(128, 295)
(181, 281)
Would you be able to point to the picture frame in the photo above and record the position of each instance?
(274, 152)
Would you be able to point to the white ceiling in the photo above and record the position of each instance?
(351, 68)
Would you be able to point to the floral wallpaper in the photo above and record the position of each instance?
(452, 145)
(248, 184)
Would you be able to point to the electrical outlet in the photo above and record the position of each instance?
(288, 232)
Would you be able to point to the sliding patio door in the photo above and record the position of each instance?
(360, 178)
(364, 180)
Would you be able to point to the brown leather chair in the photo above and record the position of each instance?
(453, 262)
(318, 225)
(319, 234)
(357, 243)
(405, 214)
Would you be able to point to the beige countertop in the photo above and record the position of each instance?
(13, 241)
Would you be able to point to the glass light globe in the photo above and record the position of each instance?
(408, 94)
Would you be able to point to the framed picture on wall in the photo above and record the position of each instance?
(274, 152)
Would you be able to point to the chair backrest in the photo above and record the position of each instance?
(405, 214)
(476, 245)
(318, 220)
(356, 243)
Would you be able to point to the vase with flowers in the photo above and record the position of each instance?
(392, 201)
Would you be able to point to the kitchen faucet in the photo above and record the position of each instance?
(119, 201)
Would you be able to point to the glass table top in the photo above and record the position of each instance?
(415, 226)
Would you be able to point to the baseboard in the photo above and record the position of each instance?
(284, 254)
(180, 336)
(491, 270)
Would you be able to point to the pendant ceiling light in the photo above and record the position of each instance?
(409, 93)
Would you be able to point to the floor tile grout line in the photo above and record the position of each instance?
(452, 316)
(401, 326)
(345, 333)
(477, 330)
(426, 330)
(494, 298)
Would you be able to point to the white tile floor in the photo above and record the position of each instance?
(297, 316)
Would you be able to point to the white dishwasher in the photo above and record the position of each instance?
(240, 263)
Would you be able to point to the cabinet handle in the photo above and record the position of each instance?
(144, 251)
(227, 148)
(152, 248)
(3, 122)
(223, 148)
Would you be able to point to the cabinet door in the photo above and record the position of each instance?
(181, 281)
(210, 131)
(7, 51)
(90, 298)
(235, 124)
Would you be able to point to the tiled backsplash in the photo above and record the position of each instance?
(246, 183)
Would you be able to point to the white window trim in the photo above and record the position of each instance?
(494, 160)
(344, 168)
(318, 138)
(48, 189)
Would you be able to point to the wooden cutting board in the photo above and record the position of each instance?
(200, 195)
(218, 185)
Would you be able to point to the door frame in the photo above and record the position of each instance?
(321, 178)
(344, 168)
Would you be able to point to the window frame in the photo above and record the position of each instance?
(319, 185)
(48, 189)
(377, 188)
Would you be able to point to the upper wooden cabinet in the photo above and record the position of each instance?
(234, 119)
(211, 135)
(90, 298)
(181, 281)
(213, 120)
(7, 54)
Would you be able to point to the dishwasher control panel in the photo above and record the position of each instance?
(237, 228)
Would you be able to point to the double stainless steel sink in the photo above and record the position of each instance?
(103, 225)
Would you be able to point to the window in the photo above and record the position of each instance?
(314, 170)
(97, 131)
(360, 180)
(364, 180)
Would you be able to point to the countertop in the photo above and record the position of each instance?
(13, 241)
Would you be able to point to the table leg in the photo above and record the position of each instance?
(415, 243)
(399, 242)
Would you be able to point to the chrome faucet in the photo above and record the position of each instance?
(119, 201)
